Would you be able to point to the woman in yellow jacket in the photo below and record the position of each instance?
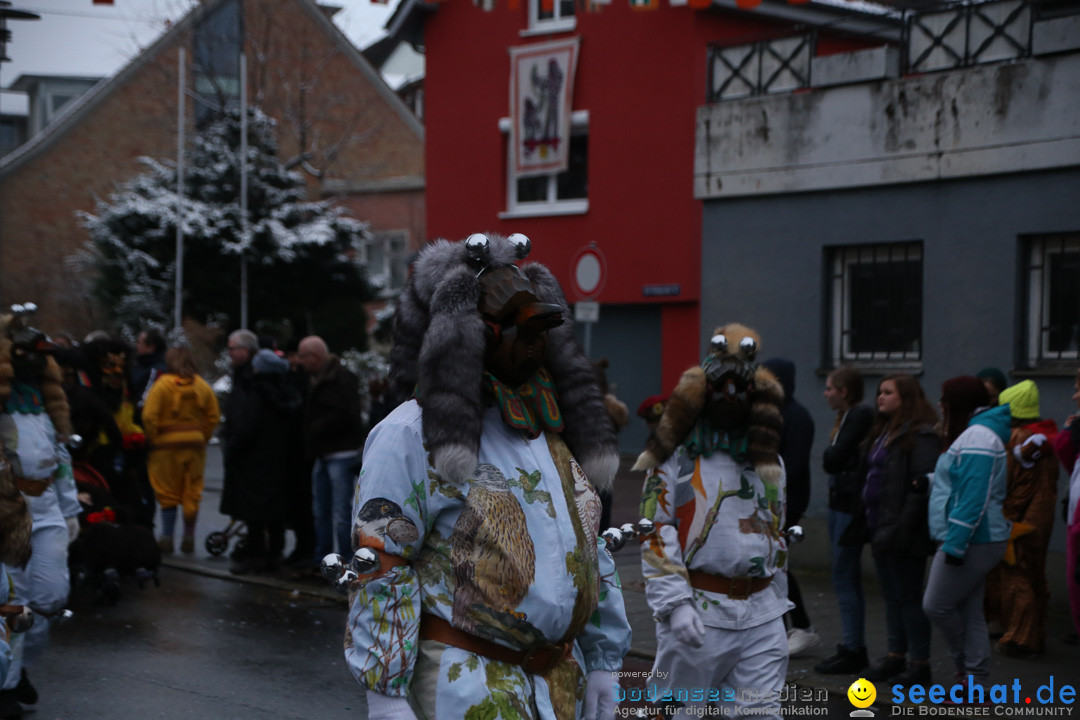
(179, 416)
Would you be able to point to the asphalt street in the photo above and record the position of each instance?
(207, 643)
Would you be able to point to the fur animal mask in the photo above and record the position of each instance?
(440, 341)
(728, 374)
(49, 379)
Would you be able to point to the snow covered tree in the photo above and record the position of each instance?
(299, 254)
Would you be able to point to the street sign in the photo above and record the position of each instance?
(586, 311)
(589, 270)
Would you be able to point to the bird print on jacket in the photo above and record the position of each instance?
(490, 549)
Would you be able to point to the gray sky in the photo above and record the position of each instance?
(76, 37)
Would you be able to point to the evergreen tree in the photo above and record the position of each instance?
(299, 253)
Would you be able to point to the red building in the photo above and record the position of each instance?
(627, 198)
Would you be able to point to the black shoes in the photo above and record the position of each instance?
(245, 565)
(885, 668)
(917, 673)
(24, 691)
(9, 706)
(10, 700)
(845, 662)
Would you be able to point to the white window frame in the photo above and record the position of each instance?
(57, 101)
(383, 275)
(842, 259)
(557, 23)
(1040, 250)
(579, 121)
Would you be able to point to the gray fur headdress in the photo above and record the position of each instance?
(439, 348)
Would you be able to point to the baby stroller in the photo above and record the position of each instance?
(109, 545)
(217, 542)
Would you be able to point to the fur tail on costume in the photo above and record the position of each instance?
(55, 399)
(766, 424)
(15, 520)
(451, 375)
(588, 431)
(680, 415)
(411, 319)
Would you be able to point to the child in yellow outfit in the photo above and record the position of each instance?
(179, 416)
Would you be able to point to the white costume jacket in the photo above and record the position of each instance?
(714, 515)
(511, 556)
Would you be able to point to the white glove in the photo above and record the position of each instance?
(687, 626)
(1030, 451)
(72, 527)
(385, 707)
(599, 695)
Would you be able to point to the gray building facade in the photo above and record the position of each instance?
(926, 223)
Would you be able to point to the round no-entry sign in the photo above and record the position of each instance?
(589, 271)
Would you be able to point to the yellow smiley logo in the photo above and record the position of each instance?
(862, 693)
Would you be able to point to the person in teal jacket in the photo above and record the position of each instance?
(966, 521)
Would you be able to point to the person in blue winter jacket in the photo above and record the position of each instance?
(966, 521)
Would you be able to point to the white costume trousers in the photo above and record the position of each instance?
(747, 667)
(43, 585)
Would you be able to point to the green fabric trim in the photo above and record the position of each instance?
(24, 400)
(532, 407)
(704, 440)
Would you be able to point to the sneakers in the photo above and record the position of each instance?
(845, 662)
(801, 639)
(885, 668)
(165, 545)
(187, 545)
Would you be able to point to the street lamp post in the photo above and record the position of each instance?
(9, 13)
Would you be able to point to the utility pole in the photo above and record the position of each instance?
(178, 314)
(244, 225)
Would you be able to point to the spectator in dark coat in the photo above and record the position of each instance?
(257, 442)
(149, 363)
(796, 440)
(333, 435)
(299, 517)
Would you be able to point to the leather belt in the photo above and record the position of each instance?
(33, 488)
(10, 611)
(736, 588)
(537, 660)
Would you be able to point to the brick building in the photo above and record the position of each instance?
(338, 123)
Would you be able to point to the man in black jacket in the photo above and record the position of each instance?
(333, 433)
(795, 443)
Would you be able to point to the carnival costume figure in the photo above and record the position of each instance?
(34, 425)
(714, 564)
(108, 373)
(490, 591)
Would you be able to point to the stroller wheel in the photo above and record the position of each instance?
(216, 543)
(110, 587)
